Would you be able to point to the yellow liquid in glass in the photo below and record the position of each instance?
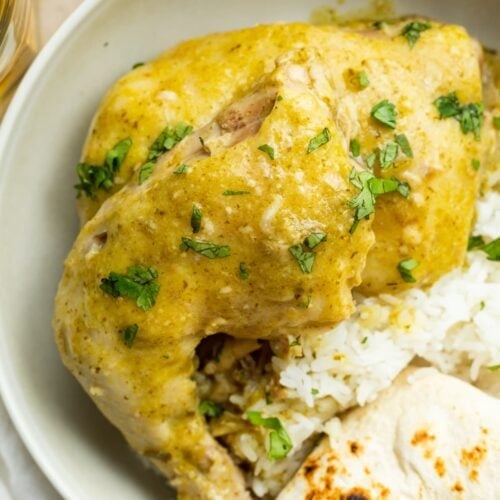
(18, 44)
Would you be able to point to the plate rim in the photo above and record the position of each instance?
(21, 98)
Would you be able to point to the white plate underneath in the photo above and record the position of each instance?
(40, 141)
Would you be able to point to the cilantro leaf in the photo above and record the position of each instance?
(196, 217)
(370, 160)
(168, 138)
(385, 112)
(210, 409)
(471, 119)
(138, 65)
(145, 171)
(138, 283)
(244, 272)
(280, 443)
(369, 188)
(355, 147)
(448, 105)
(492, 250)
(476, 164)
(470, 116)
(320, 140)
(475, 242)
(493, 368)
(404, 144)
(405, 267)
(496, 122)
(314, 239)
(304, 259)
(116, 155)
(209, 250)
(94, 177)
(413, 30)
(268, 150)
(363, 80)
(129, 334)
(388, 155)
(181, 169)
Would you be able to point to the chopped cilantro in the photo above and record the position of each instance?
(355, 147)
(496, 121)
(295, 342)
(404, 144)
(482, 305)
(388, 155)
(448, 105)
(280, 443)
(129, 334)
(268, 150)
(168, 138)
(470, 116)
(475, 242)
(314, 392)
(304, 259)
(314, 239)
(229, 192)
(413, 30)
(138, 283)
(492, 249)
(385, 112)
(493, 368)
(137, 65)
(209, 250)
(320, 140)
(279, 98)
(116, 155)
(145, 171)
(370, 160)
(181, 169)
(369, 188)
(210, 409)
(405, 267)
(94, 177)
(365, 340)
(196, 217)
(363, 80)
(244, 272)
(476, 164)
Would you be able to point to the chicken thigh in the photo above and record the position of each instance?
(235, 243)
(368, 67)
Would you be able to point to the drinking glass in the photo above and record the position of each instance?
(18, 44)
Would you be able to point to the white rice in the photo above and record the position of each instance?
(452, 325)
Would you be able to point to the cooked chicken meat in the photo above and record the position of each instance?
(428, 436)
(252, 214)
(148, 391)
(194, 81)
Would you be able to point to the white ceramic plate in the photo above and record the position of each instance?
(40, 142)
